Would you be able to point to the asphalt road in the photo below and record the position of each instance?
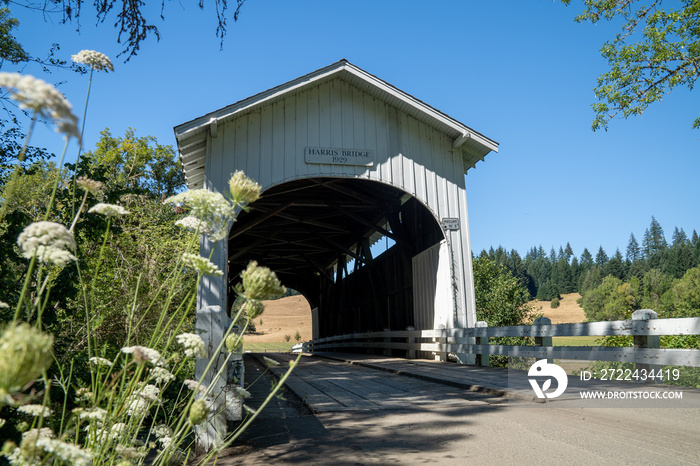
(423, 422)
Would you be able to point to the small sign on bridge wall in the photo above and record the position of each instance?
(339, 156)
(450, 223)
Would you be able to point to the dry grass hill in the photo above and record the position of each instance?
(288, 315)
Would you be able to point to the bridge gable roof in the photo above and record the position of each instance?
(192, 136)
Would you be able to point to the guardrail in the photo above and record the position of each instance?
(644, 326)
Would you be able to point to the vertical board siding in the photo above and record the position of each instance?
(268, 144)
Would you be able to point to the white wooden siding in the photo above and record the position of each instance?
(268, 144)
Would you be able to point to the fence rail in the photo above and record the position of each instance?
(644, 326)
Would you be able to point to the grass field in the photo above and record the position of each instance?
(575, 341)
(261, 347)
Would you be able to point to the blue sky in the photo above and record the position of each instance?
(521, 73)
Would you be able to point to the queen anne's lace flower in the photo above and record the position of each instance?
(193, 343)
(96, 60)
(148, 392)
(36, 95)
(49, 241)
(35, 410)
(137, 406)
(143, 353)
(207, 206)
(160, 375)
(192, 223)
(98, 414)
(201, 264)
(89, 185)
(4, 305)
(108, 210)
(243, 189)
(241, 392)
(100, 361)
(195, 386)
(25, 353)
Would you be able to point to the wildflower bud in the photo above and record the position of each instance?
(243, 189)
(25, 353)
(260, 283)
(234, 342)
(89, 185)
(8, 448)
(198, 412)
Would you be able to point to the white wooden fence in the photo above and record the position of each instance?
(644, 326)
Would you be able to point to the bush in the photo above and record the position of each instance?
(555, 303)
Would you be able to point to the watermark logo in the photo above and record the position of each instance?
(544, 369)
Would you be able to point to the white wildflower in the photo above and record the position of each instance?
(192, 223)
(4, 305)
(195, 386)
(148, 392)
(108, 210)
(89, 185)
(202, 265)
(243, 189)
(96, 60)
(33, 434)
(143, 353)
(118, 429)
(160, 375)
(234, 342)
(193, 343)
(129, 452)
(137, 406)
(100, 361)
(270, 362)
(83, 393)
(35, 95)
(49, 241)
(162, 430)
(207, 206)
(67, 452)
(241, 392)
(249, 409)
(35, 410)
(2, 422)
(94, 414)
(165, 442)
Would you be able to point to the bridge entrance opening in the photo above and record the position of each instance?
(327, 238)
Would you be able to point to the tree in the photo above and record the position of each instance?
(633, 251)
(644, 64)
(601, 258)
(654, 243)
(133, 21)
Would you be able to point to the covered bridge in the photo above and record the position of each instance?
(363, 210)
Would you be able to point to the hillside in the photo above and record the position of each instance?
(287, 315)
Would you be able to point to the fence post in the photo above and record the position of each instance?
(484, 357)
(441, 355)
(544, 341)
(411, 353)
(646, 341)
(387, 351)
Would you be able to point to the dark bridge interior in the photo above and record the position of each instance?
(317, 235)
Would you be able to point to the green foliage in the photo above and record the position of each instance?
(287, 338)
(501, 300)
(297, 336)
(646, 64)
(555, 303)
